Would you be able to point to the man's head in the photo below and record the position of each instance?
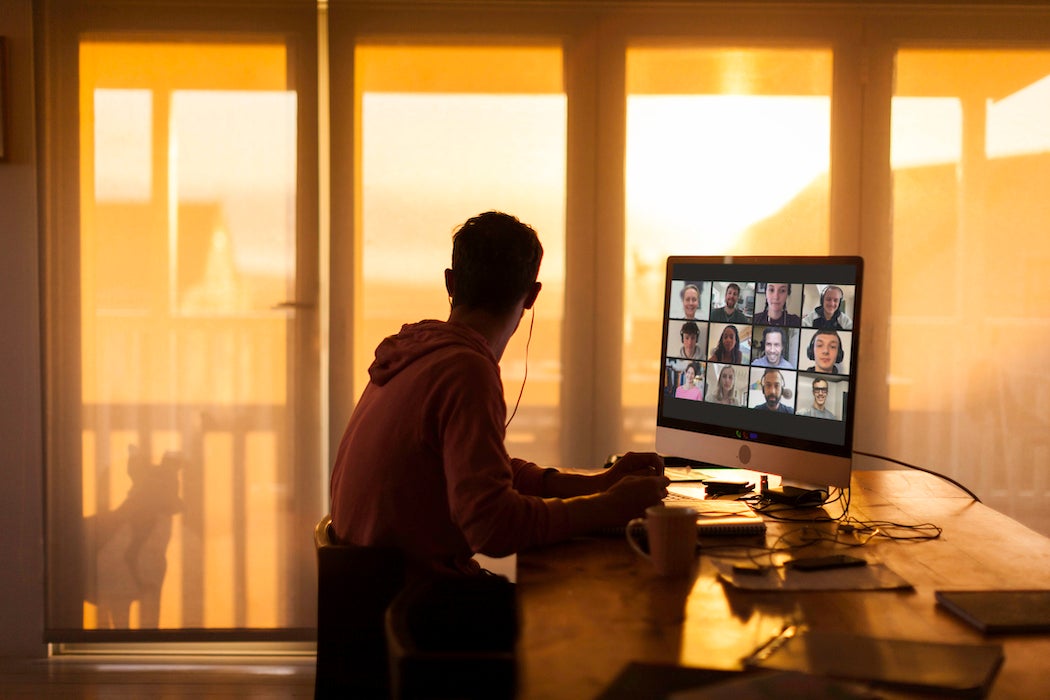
(732, 295)
(772, 387)
(495, 262)
(825, 349)
(690, 334)
(820, 392)
(773, 344)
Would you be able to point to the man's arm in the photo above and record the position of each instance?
(557, 484)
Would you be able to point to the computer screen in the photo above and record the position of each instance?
(759, 358)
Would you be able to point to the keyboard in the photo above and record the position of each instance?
(680, 499)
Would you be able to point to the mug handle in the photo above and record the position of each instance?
(636, 524)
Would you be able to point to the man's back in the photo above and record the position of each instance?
(422, 464)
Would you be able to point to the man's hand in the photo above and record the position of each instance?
(633, 494)
(627, 498)
(633, 464)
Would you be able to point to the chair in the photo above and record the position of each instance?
(354, 587)
(454, 637)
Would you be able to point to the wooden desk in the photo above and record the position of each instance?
(591, 605)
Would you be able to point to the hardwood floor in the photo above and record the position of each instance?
(163, 678)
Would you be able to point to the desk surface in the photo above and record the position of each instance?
(591, 605)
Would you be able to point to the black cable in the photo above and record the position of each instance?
(947, 478)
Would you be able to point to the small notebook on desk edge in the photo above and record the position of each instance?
(716, 517)
(1000, 611)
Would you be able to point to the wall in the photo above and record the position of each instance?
(21, 460)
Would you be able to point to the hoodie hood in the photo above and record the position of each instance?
(416, 340)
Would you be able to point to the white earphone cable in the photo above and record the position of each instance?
(528, 342)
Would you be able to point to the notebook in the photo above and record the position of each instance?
(718, 517)
(730, 518)
(1000, 612)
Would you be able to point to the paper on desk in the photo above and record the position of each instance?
(873, 577)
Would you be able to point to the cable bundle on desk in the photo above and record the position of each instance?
(850, 532)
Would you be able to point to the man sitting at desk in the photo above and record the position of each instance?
(422, 465)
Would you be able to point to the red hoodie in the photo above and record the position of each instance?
(422, 464)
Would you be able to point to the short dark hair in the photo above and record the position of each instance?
(771, 370)
(774, 329)
(495, 261)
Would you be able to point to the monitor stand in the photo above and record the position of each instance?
(795, 494)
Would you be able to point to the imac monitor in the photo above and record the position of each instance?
(759, 359)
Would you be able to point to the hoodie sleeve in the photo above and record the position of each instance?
(487, 491)
(528, 477)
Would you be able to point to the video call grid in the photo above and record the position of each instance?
(803, 329)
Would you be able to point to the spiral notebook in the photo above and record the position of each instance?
(732, 518)
(717, 517)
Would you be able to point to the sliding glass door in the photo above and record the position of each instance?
(186, 470)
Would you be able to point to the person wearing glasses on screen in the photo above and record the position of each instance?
(776, 313)
(730, 313)
(820, 398)
(829, 313)
(692, 386)
(774, 390)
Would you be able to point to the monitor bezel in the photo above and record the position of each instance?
(793, 458)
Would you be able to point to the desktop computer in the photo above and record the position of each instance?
(759, 358)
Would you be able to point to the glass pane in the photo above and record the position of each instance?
(188, 246)
(446, 133)
(971, 168)
(728, 152)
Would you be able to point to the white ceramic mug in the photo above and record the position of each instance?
(672, 538)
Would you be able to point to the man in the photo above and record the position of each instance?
(422, 465)
(776, 313)
(820, 398)
(829, 314)
(690, 342)
(690, 295)
(773, 389)
(774, 342)
(730, 313)
(825, 349)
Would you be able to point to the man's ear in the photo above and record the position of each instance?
(530, 298)
(450, 282)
